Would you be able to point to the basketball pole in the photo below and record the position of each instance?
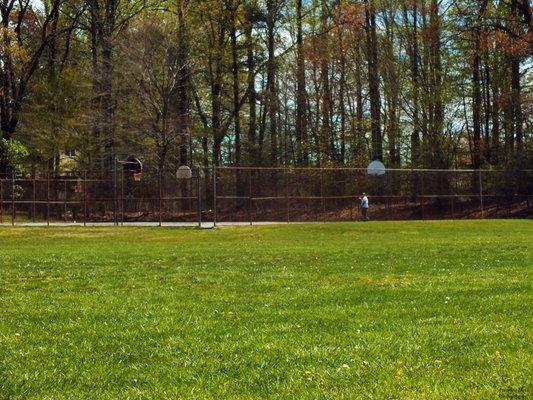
(115, 222)
(13, 211)
(214, 196)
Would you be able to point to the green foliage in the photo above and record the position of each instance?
(398, 310)
(13, 154)
(220, 51)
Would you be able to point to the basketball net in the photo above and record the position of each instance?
(137, 176)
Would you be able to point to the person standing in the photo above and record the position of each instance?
(364, 207)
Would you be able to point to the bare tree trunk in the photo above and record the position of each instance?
(216, 60)
(107, 82)
(359, 114)
(328, 135)
(391, 92)
(94, 30)
(272, 95)
(508, 112)
(319, 150)
(476, 86)
(216, 109)
(342, 105)
(252, 95)
(495, 147)
(235, 76)
(205, 163)
(53, 82)
(488, 108)
(516, 103)
(263, 111)
(301, 94)
(373, 80)
(523, 8)
(414, 60)
(182, 97)
(476, 102)
(437, 115)
(239, 184)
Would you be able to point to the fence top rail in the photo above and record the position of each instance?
(247, 168)
(85, 175)
(55, 180)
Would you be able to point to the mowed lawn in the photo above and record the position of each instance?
(395, 310)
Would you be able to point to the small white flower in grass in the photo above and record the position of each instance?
(446, 300)
(343, 366)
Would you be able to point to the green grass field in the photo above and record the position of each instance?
(407, 310)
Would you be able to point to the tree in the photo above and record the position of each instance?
(106, 20)
(155, 72)
(373, 79)
(27, 32)
(418, 83)
(301, 92)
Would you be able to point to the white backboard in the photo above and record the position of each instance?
(376, 168)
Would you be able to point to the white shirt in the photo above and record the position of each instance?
(364, 202)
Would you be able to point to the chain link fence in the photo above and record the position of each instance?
(252, 194)
(92, 197)
(332, 194)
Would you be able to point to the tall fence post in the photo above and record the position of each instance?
(33, 201)
(481, 195)
(65, 200)
(84, 198)
(122, 196)
(287, 200)
(250, 196)
(355, 197)
(115, 205)
(13, 210)
(198, 198)
(322, 203)
(387, 192)
(1, 201)
(422, 194)
(47, 198)
(454, 194)
(214, 195)
(160, 199)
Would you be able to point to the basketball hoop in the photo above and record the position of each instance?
(133, 167)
